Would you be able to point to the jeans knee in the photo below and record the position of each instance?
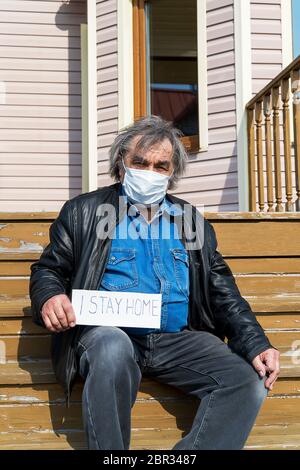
(258, 389)
(107, 348)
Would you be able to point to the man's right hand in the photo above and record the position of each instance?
(58, 313)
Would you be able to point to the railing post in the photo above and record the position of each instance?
(296, 113)
(259, 151)
(268, 137)
(276, 141)
(285, 96)
(251, 159)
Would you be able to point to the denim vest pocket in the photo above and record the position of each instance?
(181, 269)
(121, 270)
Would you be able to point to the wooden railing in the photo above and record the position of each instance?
(274, 144)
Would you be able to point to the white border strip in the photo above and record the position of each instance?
(287, 32)
(243, 80)
(89, 154)
(125, 64)
(202, 74)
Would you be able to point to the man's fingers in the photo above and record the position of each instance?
(60, 314)
(48, 324)
(55, 322)
(68, 309)
(259, 366)
(271, 379)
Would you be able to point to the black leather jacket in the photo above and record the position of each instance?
(76, 258)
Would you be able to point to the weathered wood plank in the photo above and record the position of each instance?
(15, 268)
(261, 238)
(15, 307)
(274, 303)
(13, 287)
(29, 372)
(277, 414)
(274, 286)
(264, 266)
(22, 237)
(281, 321)
(37, 345)
(269, 284)
(36, 378)
(24, 326)
(26, 347)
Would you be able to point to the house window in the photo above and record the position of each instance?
(165, 64)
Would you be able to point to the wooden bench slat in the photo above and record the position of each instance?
(15, 307)
(15, 268)
(38, 346)
(266, 265)
(151, 423)
(31, 372)
(22, 237)
(12, 326)
(271, 323)
(261, 238)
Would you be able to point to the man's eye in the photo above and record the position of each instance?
(161, 168)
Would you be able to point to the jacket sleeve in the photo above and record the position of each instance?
(51, 274)
(232, 312)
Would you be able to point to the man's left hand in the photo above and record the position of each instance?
(267, 363)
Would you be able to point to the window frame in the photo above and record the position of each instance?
(194, 143)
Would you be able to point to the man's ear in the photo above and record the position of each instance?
(121, 169)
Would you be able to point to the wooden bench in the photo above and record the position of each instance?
(264, 253)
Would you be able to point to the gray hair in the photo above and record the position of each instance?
(152, 129)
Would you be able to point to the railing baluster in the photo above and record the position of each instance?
(251, 160)
(259, 151)
(276, 139)
(285, 96)
(268, 137)
(296, 113)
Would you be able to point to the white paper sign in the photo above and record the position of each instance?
(107, 308)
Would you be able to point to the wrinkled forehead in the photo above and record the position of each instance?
(151, 145)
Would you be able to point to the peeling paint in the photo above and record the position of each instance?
(24, 246)
(5, 239)
(27, 399)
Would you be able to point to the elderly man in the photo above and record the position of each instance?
(201, 304)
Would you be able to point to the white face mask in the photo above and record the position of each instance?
(145, 186)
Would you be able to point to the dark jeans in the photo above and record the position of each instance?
(196, 362)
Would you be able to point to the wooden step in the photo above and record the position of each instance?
(23, 239)
(273, 290)
(15, 307)
(15, 268)
(24, 326)
(34, 375)
(25, 347)
(259, 238)
(35, 346)
(29, 372)
(271, 323)
(154, 424)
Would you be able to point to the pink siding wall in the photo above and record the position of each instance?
(107, 73)
(266, 42)
(40, 120)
